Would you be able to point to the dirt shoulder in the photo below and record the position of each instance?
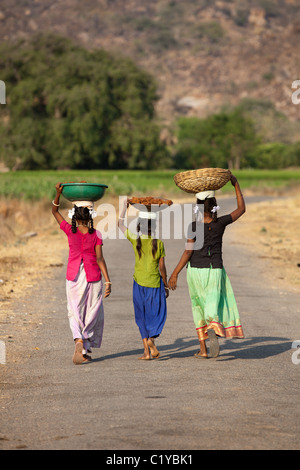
(271, 231)
(30, 246)
(31, 250)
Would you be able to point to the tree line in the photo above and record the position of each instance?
(72, 108)
(230, 139)
(68, 107)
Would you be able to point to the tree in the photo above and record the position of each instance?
(69, 107)
(222, 140)
(274, 156)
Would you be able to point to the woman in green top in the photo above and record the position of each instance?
(150, 282)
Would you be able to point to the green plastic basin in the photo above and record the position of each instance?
(83, 191)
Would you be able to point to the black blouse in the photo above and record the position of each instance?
(210, 255)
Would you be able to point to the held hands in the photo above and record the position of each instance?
(167, 291)
(172, 284)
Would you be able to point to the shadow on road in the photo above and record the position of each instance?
(259, 347)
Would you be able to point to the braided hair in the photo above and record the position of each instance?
(82, 213)
(209, 203)
(145, 226)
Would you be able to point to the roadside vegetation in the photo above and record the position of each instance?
(71, 108)
(38, 185)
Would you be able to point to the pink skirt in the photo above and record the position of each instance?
(85, 309)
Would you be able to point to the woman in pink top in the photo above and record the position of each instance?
(86, 265)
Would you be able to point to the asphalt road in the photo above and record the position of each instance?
(247, 398)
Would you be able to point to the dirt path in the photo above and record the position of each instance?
(247, 398)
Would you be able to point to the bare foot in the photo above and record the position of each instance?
(78, 356)
(153, 349)
(145, 357)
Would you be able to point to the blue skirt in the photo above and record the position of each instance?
(150, 309)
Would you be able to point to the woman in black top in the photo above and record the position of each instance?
(214, 307)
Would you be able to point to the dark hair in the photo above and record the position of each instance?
(82, 213)
(146, 226)
(209, 203)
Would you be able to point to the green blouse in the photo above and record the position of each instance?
(146, 270)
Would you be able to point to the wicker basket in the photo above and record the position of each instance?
(154, 204)
(205, 179)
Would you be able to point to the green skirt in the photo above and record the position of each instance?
(213, 303)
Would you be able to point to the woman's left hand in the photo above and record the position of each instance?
(167, 291)
(233, 179)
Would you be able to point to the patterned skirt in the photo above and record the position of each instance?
(213, 303)
(85, 309)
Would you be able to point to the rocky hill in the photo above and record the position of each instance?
(204, 54)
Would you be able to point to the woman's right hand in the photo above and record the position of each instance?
(59, 188)
(55, 204)
(107, 291)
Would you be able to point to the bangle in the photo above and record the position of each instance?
(167, 288)
(122, 218)
(56, 205)
(107, 283)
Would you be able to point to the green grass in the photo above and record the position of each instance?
(266, 179)
(41, 184)
(34, 185)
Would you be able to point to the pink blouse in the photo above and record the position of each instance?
(82, 247)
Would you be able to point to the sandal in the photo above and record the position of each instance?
(214, 347)
(86, 358)
(200, 356)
